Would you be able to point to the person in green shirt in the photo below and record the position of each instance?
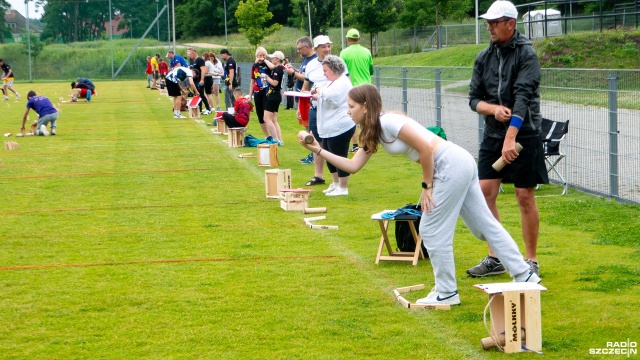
(360, 66)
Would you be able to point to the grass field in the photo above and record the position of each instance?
(131, 234)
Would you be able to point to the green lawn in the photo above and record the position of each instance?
(134, 235)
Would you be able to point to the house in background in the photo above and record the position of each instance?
(18, 25)
(117, 34)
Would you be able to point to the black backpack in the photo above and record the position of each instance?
(404, 238)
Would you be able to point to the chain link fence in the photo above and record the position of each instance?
(603, 145)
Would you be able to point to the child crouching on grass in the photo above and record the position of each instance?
(242, 108)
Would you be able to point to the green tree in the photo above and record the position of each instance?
(197, 18)
(374, 16)
(36, 46)
(324, 14)
(5, 32)
(252, 15)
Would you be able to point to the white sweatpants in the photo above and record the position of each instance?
(456, 192)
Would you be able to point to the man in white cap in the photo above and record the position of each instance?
(360, 65)
(505, 88)
(313, 78)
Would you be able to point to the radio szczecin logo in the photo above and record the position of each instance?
(617, 348)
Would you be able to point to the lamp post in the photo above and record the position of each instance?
(26, 10)
(226, 37)
(157, 23)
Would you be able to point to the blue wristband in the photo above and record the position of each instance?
(516, 122)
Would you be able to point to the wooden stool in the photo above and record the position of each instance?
(268, 155)
(384, 239)
(515, 306)
(276, 180)
(236, 137)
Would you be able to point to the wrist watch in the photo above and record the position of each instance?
(427, 186)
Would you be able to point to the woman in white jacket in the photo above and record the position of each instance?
(335, 126)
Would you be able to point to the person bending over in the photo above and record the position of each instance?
(450, 188)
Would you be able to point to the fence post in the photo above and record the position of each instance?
(438, 98)
(613, 135)
(405, 100)
(378, 78)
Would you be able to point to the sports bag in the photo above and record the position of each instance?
(404, 238)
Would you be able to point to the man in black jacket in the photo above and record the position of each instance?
(197, 64)
(505, 88)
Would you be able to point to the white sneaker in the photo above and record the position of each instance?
(17, 96)
(331, 187)
(43, 130)
(434, 298)
(6, 98)
(206, 112)
(338, 192)
(53, 131)
(528, 276)
(180, 116)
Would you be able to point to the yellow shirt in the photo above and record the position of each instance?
(154, 64)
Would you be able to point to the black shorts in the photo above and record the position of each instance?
(173, 89)
(272, 102)
(156, 75)
(208, 83)
(526, 171)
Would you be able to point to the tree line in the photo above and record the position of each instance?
(83, 20)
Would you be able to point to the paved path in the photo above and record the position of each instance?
(587, 144)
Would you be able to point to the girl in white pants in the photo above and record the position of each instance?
(450, 189)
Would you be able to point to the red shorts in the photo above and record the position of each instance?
(83, 93)
(303, 105)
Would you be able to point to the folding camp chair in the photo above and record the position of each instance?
(553, 132)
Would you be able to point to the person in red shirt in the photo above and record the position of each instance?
(149, 72)
(242, 108)
(164, 68)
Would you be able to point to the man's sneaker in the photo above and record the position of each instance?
(338, 192)
(218, 108)
(43, 130)
(17, 96)
(180, 116)
(206, 112)
(434, 298)
(53, 131)
(488, 266)
(6, 98)
(528, 276)
(533, 265)
(354, 148)
(307, 160)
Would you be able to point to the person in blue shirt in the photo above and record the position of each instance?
(89, 84)
(47, 114)
(175, 60)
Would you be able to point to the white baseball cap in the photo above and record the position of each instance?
(277, 54)
(499, 9)
(321, 40)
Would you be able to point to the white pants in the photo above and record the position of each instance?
(456, 192)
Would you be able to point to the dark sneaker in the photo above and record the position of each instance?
(488, 266)
(534, 266)
(354, 148)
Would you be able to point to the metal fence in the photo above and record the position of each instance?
(603, 106)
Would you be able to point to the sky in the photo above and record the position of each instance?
(19, 5)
